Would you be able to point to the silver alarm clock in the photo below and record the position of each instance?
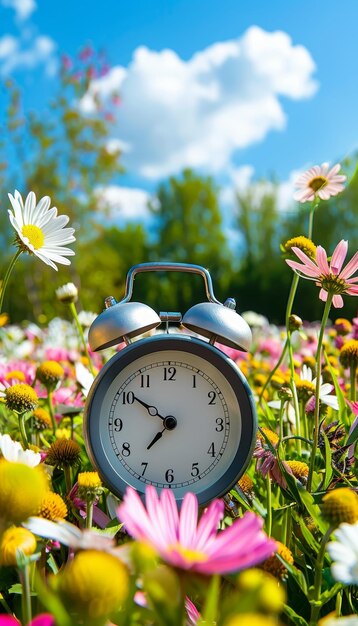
(170, 410)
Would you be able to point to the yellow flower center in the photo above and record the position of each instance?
(53, 507)
(305, 389)
(298, 468)
(20, 376)
(340, 505)
(303, 243)
(274, 566)
(246, 484)
(34, 234)
(89, 480)
(191, 556)
(21, 397)
(332, 283)
(13, 540)
(318, 182)
(50, 372)
(42, 419)
(271, 436)
(349, 353)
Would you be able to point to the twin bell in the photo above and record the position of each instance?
(124, 320)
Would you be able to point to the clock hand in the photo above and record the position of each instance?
(151, 409)
(156, 438)
(170, 423)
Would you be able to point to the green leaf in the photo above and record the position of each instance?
(297, 619)
(328, 461)
(296, 574)
(330, 593)
(353, 436)
(306, 533)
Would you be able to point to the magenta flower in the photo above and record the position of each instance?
(184, 542)
(41, 620)
(330, 277)
(319, 181)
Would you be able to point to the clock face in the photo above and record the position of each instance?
(173, 412)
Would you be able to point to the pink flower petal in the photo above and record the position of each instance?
(350, 268)
(188, 520)
(337, 301)
(321, 258)
(303, 268)
(339, 256)
(208, 524)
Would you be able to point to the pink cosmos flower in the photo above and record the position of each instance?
(184, 542)
(330, 277)
(319, 181)
(45, 619)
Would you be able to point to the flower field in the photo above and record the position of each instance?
(280, 548)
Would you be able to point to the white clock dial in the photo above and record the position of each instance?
(173, 413)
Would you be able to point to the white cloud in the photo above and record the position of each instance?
(26, 53)
(242, 179)
(197, 113)
(124, 202)
(23, 8)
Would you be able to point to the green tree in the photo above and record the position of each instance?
(189, 230)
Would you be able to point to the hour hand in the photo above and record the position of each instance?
(152, 410)
(156, 438)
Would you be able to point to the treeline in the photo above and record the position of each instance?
(64, 154)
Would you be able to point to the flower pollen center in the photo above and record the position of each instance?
(34, 234)
(191, 556)
(333, 284)
(318, 183)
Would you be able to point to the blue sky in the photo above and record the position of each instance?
(261, 104)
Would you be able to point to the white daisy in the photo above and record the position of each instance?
(344, 553)
(13, 451)
(325, 395)
(69, 535)
(319, 181)
(67, 293)
(40, 230)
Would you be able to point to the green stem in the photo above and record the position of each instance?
(318, 389)
(82, 337)
(26, 595)
(89, 513)
(352, 392)
(22, 429)
(68, 481)
(316, 602)
(51, 411)
(274, 370)
(315, 204)
(7, 276)
(268, 506)
(280, 417)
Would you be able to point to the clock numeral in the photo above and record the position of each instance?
(126, 449)
(144, 465)
(144, 380)
(118, 424)
(194, 469)
(211, 450)
(194, 381)
(212, 397)
(219, 424)
(169, 476)
(128, 397)
(169, 373)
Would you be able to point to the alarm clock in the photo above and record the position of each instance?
(171, 409)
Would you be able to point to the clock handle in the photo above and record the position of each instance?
(169, 267)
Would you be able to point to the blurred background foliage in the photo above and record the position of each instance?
(64, 154)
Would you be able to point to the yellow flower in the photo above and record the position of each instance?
(22, 490)
(305, 389)
(340, 505)
(342, 326)
(63, 433)
(349, 353)
(53, 507)
(63, 453)
(274, 566)
(13, 540)
(16, 375)
(269, 595)
(271, 436)
(21, 397)
(94, 584)
(41, 419)
(246, 484)
(303, 243)
(298, 468)
(4, 318)
(50, 373)
(89, 485)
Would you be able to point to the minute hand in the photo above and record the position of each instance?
(152, 410)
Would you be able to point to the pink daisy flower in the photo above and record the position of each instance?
(329, 276)
(319, 181)
(184, 542)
